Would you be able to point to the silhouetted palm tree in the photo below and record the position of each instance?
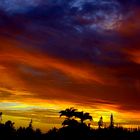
(70, 122)
(73, 130)
(68, 113)
(83, 116)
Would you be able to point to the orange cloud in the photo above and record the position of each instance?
(47, 77)
(134, 55)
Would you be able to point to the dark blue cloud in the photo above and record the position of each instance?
(18, 6)
(73, 29)
(23, 6)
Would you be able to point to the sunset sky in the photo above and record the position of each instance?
(56, 54)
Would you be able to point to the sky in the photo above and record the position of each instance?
(56, 54)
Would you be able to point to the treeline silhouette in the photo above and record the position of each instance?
(74, 127)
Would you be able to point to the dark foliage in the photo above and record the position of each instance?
(71, 130)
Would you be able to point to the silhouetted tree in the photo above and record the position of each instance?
(68, 113)
(73, 130)
(70, 122)
(52, 134)
(9, 129)
(111, 121)
(9, 124)
(0, 117)
(30, 124)
(100, 123)
(83, 116)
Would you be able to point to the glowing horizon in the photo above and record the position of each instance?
(46, 115)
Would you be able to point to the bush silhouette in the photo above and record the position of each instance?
(100, 123)
(71, 129)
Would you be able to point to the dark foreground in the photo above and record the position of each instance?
(73, 132)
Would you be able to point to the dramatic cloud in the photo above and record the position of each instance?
(75, 52)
